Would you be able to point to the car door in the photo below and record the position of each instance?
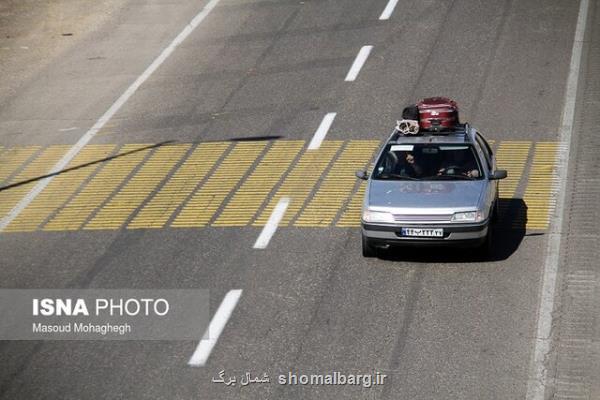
(487, 155)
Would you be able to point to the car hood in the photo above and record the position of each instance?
(419, 196)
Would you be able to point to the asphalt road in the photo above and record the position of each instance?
(442, 325)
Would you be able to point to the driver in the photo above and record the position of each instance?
(411, 167)
(457, 162)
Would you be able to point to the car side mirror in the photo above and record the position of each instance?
(498, 174)
(364, 175)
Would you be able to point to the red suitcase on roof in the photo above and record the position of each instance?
(437, 114)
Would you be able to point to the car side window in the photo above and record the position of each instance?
(487, 150)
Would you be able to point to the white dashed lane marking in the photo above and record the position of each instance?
(389, 9)
(321, 132)
(214, 330)
(273, 222)
(358, 63)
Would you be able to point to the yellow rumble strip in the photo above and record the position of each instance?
(116, 212)
(60, 189)
(539, 194)
(248, 199)
(203, 205)
(95, 193)
(39, 166)
(177, 189)
(228, 184)
(338, 185)
(301, 180)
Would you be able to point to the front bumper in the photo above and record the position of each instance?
(454, 234)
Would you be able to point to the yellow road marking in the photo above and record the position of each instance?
(196, 167)
(36, 168)
(12, 159)
(301, 180)
(244, 205)
(206, 201)
(351, 215)
(59, 189)
(512, 156)
(338, 185)
(540, 187)
(98, 190)
(116, 212)
(286, 168)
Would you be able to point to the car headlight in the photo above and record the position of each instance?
(469, 216)
(377, 216)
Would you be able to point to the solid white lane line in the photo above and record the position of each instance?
(269, 229)
(321, 132)
(358, 63)
(215, 328)
(62, 163)
(538, 379)
(389, 9)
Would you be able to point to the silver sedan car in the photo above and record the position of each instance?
(431, 189)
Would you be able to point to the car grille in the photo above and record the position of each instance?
(422, 218)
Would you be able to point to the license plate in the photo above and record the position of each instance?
(422, 232)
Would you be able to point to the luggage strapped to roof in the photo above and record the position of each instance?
(432, 114)
(437, 114)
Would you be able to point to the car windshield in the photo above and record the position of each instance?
(428, 161)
